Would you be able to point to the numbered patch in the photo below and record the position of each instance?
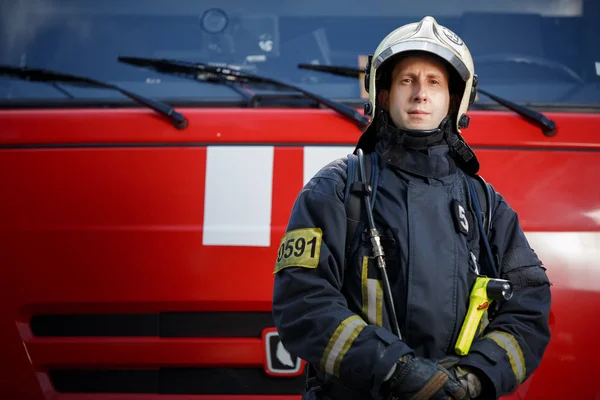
(299, 248)
(461, 217)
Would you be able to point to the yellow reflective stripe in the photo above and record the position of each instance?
(365, 288)
(513, 350)
(485, 321)
(338, 360)
(372, 301)
(375, 301)
(379, 304)
(372, 296)
(340, 342)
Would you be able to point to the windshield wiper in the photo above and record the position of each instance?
(205, 72)
(547, 125)
(49, 76)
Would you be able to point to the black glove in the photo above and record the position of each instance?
(417, 378)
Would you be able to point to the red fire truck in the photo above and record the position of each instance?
(150, 154)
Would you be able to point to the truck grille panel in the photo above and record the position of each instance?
(175, 381)
(167, 324)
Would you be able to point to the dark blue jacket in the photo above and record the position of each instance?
(328, 305)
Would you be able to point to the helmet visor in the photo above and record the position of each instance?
(418, 45)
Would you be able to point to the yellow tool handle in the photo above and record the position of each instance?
(478, 303)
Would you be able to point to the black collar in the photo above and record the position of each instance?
(424, 153)
(432, 153)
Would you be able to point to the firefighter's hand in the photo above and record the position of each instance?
(417, 378)
(468, 380)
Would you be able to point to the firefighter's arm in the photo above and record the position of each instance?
(513, 344)
(309, 311)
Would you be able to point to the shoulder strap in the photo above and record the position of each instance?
(484, 198)
(353, 199)
(480, 199)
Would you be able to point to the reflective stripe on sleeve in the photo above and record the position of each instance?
(513, 350)
(340, 342)
(372, 296)
(485, 321)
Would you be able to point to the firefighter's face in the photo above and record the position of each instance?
(419, 96)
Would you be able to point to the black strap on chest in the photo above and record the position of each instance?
(483, 197)
(355, 190)
(480, 195)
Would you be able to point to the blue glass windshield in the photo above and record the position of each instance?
(527, 51)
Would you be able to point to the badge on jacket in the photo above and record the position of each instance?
(299, 248)
(462, 217)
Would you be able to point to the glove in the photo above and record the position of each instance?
(417, 378)
(469, 381)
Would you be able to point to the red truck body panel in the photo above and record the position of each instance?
(104, 212)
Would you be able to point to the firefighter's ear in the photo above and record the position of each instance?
(383, 98)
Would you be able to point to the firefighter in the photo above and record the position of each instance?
(328, 297)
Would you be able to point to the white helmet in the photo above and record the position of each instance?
(428, 36)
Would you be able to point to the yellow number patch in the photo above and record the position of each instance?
(299, 248)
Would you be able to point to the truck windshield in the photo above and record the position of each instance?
(533, 52)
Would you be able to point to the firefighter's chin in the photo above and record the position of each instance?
(419, 121)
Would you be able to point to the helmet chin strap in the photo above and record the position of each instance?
(460, 151)
(462, 154)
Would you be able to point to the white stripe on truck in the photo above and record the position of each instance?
(316, 157)
(238, 196)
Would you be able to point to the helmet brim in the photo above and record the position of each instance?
(425, 46)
